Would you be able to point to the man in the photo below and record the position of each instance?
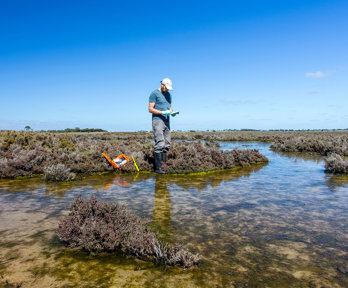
(160, 105)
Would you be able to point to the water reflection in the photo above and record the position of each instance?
(334, 182)
(161, 218)
(118, 180)
(106, 181)
(298, 156)
(162, 209)
(213, 179)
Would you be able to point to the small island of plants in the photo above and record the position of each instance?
(63, 157)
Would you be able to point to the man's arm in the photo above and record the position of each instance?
(153, 110)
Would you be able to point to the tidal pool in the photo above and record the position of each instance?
(283, 224)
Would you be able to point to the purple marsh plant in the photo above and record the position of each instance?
(107, 227)
(321, 144)
(336, 164)
(58, 172)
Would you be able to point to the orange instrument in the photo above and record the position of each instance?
(118, 162)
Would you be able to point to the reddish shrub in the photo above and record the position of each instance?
(185, 157)
(106, 227)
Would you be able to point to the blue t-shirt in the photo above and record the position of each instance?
(162, 103)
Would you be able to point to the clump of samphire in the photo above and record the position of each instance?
(185, 157)
(58, 172)
(336, 164)
(107, 227)
(322, 144)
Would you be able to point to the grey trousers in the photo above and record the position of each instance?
(161, 131)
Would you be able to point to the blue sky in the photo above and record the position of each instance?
(234, 64)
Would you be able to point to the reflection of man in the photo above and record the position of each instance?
(161, 212)
(160, 105)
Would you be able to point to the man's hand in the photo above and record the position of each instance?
(167, 112)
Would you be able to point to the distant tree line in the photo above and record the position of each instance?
(67, 130)
(77, 129)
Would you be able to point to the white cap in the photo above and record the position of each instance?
(168, 83)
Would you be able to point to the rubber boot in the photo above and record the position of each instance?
(158, 164)
(164, 156)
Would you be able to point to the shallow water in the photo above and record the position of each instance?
(284, 224)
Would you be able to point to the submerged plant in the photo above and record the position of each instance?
(107, 227)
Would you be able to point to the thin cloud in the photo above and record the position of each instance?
(317, 74)
(320, 74)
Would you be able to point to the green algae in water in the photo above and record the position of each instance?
(80, 267)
